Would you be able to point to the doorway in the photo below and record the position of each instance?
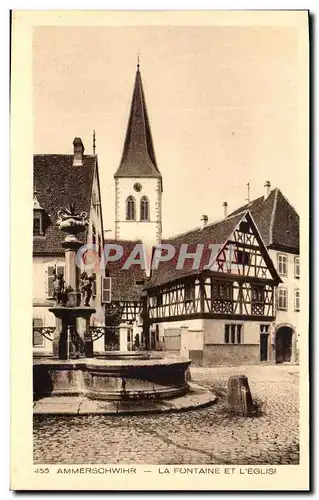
(284, 344)
(264, 346)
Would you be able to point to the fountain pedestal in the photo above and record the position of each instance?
(72, 336)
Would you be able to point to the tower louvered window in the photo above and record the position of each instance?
(130, 208)
(144, 209)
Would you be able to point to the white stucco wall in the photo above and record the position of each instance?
(289, 317)
(150, 231)
(214, 331)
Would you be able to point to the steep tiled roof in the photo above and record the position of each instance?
(58, 183)
(276, 219)
(216, 234)
(127, 284)
(138, 158)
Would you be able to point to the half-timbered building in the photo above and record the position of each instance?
(127, 300)
(278, 224)
(216, 298)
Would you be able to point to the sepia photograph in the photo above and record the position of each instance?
(168, 224)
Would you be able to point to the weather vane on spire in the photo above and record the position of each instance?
(94, 147)
(138, 61)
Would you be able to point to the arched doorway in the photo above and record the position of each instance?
(284, 344)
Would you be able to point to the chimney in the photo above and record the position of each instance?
(204, 221)
(225, 205)
(267, 189)
(78, 151)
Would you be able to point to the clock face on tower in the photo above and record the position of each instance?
(137, 186)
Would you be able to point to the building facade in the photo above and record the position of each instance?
(58, 181)
(278, 223)
(222, 311)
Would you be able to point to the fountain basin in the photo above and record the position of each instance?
(115, 376)
(127, 355)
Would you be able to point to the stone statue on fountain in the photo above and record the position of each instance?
(60, 293)
(86, 287)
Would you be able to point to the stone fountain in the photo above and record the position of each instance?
(72, 311)
(119, 378)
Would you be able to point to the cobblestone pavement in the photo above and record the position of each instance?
(206, 436)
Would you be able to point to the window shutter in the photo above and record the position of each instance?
(94, 285)
(37, 322)
(106, 290)
(50, 280)
(38, 339)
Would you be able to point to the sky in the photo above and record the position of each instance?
(224, 106)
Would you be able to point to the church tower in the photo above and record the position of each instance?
(138, 181)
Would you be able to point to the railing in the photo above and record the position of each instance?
(98, 331)
(110, 333)
(46, 331)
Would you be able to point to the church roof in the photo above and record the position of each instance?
(216, 233)
(58, 183)
(276, 219)
(127, 284)
(138, 157)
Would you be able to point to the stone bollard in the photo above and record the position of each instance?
(239, 399)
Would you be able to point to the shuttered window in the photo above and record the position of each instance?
(106, 290)
(37, 229)
(282, 264)
(282, 302)
(38, 339)
(297, 267)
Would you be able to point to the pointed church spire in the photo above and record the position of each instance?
(138, 157)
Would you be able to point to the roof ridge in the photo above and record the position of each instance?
(122, 240)
(63, 154)
(244, 208)
(54, 154)
(199, 228)
(272, 219)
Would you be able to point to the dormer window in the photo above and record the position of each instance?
(37, 216)
(37, 225)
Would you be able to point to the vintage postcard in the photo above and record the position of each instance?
(160, 218)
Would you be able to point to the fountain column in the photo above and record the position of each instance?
(72, 336)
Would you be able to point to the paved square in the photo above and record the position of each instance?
(206, 436)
